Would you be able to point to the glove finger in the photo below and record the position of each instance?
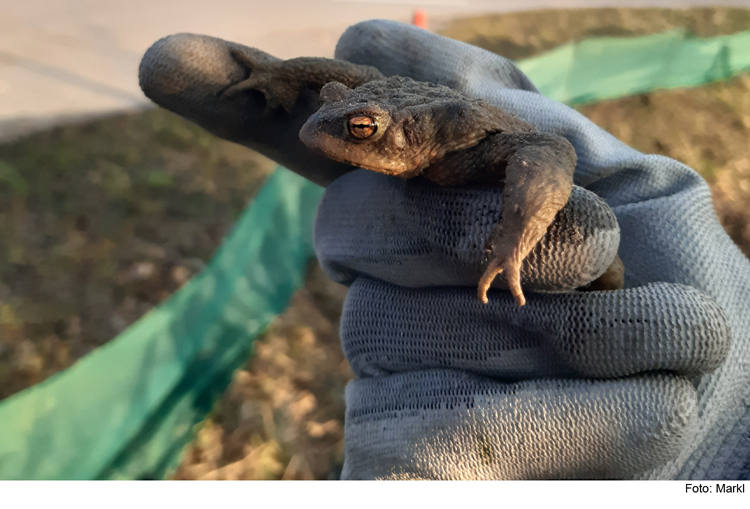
(405, 50)
(449, 425)
(660, 327)
(417, 234)
(188, 73)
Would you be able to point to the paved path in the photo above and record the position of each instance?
(62, 60)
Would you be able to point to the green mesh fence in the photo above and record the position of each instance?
(128, 409)
(606, 68)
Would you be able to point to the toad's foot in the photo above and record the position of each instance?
(266, 78)
(538, 181)
(512, 268)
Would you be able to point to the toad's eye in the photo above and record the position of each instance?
(362, 127)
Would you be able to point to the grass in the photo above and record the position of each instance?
(99, 222)
(102, 221)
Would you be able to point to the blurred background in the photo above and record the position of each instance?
(108, 206)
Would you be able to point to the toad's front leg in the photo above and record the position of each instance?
(538, 181)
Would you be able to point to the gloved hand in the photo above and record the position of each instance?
(454, 389)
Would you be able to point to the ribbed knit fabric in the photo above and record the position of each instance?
(445, 424)
(387, 329)
(415, 233)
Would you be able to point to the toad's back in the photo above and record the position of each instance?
(412, 125)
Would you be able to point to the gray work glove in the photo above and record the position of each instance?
(572, 384)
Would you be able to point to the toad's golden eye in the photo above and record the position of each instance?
(362, 127)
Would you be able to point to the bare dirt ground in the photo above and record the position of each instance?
(706, 128)
(100, 222)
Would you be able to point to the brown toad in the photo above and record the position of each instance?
(407, 128)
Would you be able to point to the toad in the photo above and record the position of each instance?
(405, 128)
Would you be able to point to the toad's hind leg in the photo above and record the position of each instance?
(281, 81)
(538, 181)
(269, 78)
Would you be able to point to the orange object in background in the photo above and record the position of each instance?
(420, 19)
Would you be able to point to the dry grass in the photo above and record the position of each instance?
(102, 221)
(282, 417)
(706, 128)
